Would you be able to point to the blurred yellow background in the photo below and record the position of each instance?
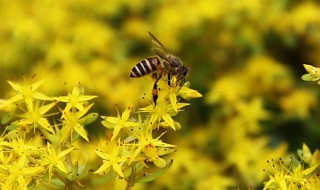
(245, 57)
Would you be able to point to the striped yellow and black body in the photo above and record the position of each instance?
(163, 64)
(145, 67)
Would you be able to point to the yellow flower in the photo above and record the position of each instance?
(251, 113)
(299, 103)
(35, 116)
(75, 121)
(266, 76)
(19, 146)
(313, 73)
(293, 175)
(112, 159)
(119, 122)
(75, 99)
(28, 92)
(229, 89)
(312, 159)
(19, 174)
(304, 15)
(171, 92)
(249, 154)
(53, 159)
(150, 148)
(163, 111)
(279, 175)
(215, 181)
(300, 175)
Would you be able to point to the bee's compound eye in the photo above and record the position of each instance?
(185, 72)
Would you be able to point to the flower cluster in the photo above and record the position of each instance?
(292, 174)
(36, 146)
(136, 143)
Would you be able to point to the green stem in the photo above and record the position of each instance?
(63, 179)
(131, 180)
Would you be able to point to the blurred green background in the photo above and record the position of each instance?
(245, 57)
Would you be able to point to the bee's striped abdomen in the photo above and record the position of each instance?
(145, 67)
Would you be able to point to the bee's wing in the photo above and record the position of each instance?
(157, 43)
(161, 54)
(160, 50)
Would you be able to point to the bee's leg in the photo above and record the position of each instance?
(169, 80)
(155, 93)
(155, 90)
(181, 83)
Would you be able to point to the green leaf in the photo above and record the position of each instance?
(12, 127)
(57, 182)
(7, 118)
(82, 171)
(89, 118)
(75, 136)
(139, 167)
(300, 153)
(155, 175)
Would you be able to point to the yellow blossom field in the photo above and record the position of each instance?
(161, 95)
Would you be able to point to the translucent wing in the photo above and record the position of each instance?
(157, 43)
(162, 54)
(160, 50)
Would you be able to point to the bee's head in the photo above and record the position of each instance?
(182, 74)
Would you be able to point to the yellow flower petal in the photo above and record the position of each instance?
(43, 122)
(102, 154)
(167, 118)
(311, 69)
(61, 167)
(187, 93)
(65, 152)
(109, 121)
(104, 167)
(117, 168)
(126, 114)
(81, 131)
(173, 100)
(115, 132)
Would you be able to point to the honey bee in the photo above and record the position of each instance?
(163, 64)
